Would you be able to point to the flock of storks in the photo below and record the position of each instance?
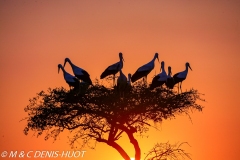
(82, 76)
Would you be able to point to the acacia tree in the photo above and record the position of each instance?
(99, 114)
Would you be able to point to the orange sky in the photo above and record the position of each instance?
(37, 35)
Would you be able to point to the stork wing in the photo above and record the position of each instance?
(146, 67)
(68, 77)
(114, 66)
(162, 76)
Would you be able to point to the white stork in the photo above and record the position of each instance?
(159, 79)
(144, 70)
(122, 83)
(79, 72)
(113, 69)
(170, 81)
(181, 76)
(70, 79)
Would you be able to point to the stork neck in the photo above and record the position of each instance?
(121, 59)
(162, 66)
(129, 77)
(186, 69)
(121, 63)
(62, 69)
(169, 73)
(154, 58)
(70, 62)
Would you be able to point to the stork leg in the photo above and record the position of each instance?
(178, 88)
(145, 80)
(181, 87)
(113, 80)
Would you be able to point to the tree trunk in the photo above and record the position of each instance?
(135, 144)
(117, 147)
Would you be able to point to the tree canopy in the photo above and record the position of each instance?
(100, 114)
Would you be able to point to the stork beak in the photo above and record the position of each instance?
(158, 60)
(123, 59)
(160, 69)
(58, 69)
(190, 67)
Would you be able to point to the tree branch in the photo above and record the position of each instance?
(116, 146)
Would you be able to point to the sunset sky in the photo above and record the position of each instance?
(35, 36)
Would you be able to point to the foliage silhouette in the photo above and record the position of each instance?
(99, 114)
(164, 151)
